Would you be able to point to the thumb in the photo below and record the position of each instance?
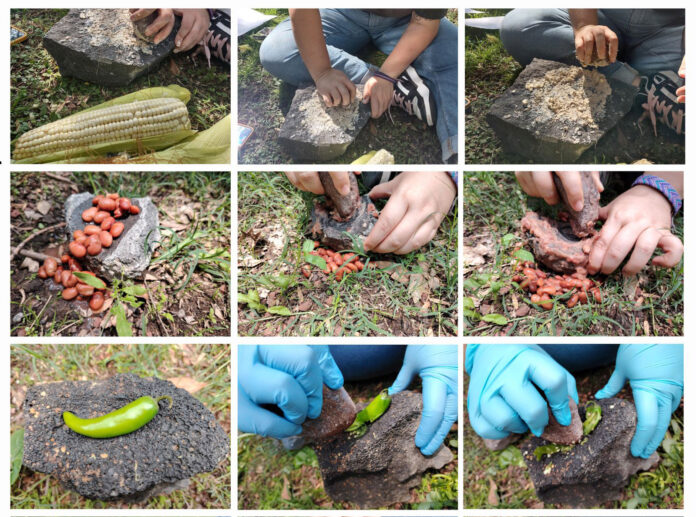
(615, 384)
(367, 90)
(402, 380)
(381, 191)
(341, 181)
(332, 375)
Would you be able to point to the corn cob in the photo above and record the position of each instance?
(135, 121)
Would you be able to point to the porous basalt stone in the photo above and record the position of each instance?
(564, 434)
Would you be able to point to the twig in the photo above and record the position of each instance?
(149, 302)
(59, 178)
(44, 230)
(34, 254)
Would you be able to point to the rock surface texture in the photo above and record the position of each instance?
(130, 254)
(313, 132)
(178, 443)
(554, 112)
(100, 46)
(597, 469)
(337, 413)
(565, 435)
(379, 468)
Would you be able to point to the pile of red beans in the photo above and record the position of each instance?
(102, 231)
(336, 264)
(543, 286)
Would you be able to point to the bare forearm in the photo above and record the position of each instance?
(581, 17)
(309, 37)
(415, 39)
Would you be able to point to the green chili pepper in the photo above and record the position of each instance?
(375, 409)
(121, 421)
(593, 414)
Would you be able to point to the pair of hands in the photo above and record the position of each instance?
(503, 396)
(291, 378)
(194, 25)
(418, 201)
(638, 219)
(337, 90)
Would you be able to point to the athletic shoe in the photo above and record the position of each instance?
(657, 96)
(413, 96)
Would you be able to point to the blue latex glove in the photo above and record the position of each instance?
(288, 376)
(437, 367)
(503, 396)
(656, 376)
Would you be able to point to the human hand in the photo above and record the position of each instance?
(599, 37)
(656, 376)
(503, 396)
(638, 220)
(161, 26)
(418, 201)
(540, 184)
(681, 91)
(194, 26)
(437, 367)
(335, 87)
(288, 376)
(379, 93)
(310, 182)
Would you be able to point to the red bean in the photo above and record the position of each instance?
(118, 213)
(596, 294)
(582, 296)
(96, 199)
(548, 305)
(306, 272)
(88, 215)
(65, 258)
(96, 302)
(57, 277)
(42, 272)
(333, 267)
(117, 229)
(107, 223)
(107, 204)
(74, 266)
(77, 234)
(349, 257)
(573, 301)
(113, 196)
(338, 259)
(69, 293)
(94, 246)
(51, 266)
(82, 241)
(536, 298)
(106, 239)
(69, 280)
(352, 267)
(92, 229)
(100, 216)
(85, 290)
(359, 265)
(124, 204)
(316, 243)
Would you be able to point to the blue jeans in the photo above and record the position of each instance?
(361, 362)
(650, 40)
(575, 358)
(346, 32)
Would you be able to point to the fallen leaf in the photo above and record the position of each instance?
(30, 264)
(187, 383)
(174, 68)
(493, 498)
(43, 206)
(285, 493)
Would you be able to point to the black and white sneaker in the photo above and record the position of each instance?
(657, 96)
(413, 96)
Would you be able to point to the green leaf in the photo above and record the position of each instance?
(16, 454)
(468, 302)
(496, 286)
(123, 326)
(593, 414)
(507, 239)
(468, 313)
(135, 290)
(497, 319)
(524, 256)
(281, 310)
(307, 246)
(88, 279)
(252, 300)
(511, 455)
(315, 260)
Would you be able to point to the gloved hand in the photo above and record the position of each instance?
(503, 396)
(656, 375)
(437, 367)
(288, 376)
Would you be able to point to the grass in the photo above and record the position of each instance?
(499, 480)
(271, 477)
(186, 365)
(490, 70)
(188, 279)
(494, 203)
(273, 216)
(263, 100)
(39, 94)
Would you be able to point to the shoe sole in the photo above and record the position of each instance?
(422, 90)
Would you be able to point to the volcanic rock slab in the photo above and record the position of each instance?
(545, 129)
(100, 46)
(597, 469)
(178, 443)
(313, 132)
(129, 255)
(337, 234)
(380, 467)
(568, 434)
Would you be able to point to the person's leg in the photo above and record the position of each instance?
(437, 66)
(344, 36)
(575, 358)
(360, 362)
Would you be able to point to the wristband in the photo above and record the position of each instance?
(663, 187)
(455, 177)
(384, 76)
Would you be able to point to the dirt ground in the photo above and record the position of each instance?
(648, 304)
(409, 295)
(500, 479)
(186, 286)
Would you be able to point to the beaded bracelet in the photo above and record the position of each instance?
(663, 187)
(384, 76)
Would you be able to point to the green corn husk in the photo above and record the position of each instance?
(96, 153)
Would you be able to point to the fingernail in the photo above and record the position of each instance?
(178, 43)
(578, 206)
(345, 190)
